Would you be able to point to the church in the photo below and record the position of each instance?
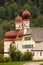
(24, 37)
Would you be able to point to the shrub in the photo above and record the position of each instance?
(27, 56)
(13, 56)
(7, 59)
(14, 53)
(1, 58)
(18, 55)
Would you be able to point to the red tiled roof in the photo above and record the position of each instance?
(11, 34)
(26, 14)
(36, 33)
(18, 19)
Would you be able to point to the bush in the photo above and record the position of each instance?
(13, 56)
(1, 58)
(27, 56)
(14, 53)
(7, 59)
(18, 55)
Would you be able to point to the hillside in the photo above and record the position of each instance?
(9, 9)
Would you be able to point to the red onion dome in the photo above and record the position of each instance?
(26, 14)
(18, 19)
(10, 34)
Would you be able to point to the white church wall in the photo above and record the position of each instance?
(19, 45)
(18, 25)
(26, 24)
(6, 48)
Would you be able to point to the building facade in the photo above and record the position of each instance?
(24, 37)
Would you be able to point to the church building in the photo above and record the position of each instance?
(24, 37)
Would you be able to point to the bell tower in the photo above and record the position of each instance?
(26, 20)
(18, 22)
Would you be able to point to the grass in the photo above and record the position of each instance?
(20, 62)
(41, 64)
(12, 63)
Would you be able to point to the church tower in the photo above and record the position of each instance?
(18, 22)
(26, 20)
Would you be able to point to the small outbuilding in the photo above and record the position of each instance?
(38, 52)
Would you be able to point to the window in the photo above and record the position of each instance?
(40, 53)
(27, 46)
(27, 38)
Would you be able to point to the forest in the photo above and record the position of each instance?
(9, 9)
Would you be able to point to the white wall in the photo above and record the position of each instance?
(20, 43)
(6, 47)
(18, 25)
(37, 55)
(26, 24)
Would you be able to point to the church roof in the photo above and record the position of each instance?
(10, 34)
(38, 47)
(14, 34)
(26, 14)
(36, 33)
(18, 19)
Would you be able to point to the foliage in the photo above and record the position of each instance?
(6, 26)
(7, 59)
(9, 9)
(12, 63)
(1, 58)
(27, 56)
(16, 55)
(41, 64)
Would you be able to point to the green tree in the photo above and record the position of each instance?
(6, 26)
(2, 12)
(41, 6)
(11, 11)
